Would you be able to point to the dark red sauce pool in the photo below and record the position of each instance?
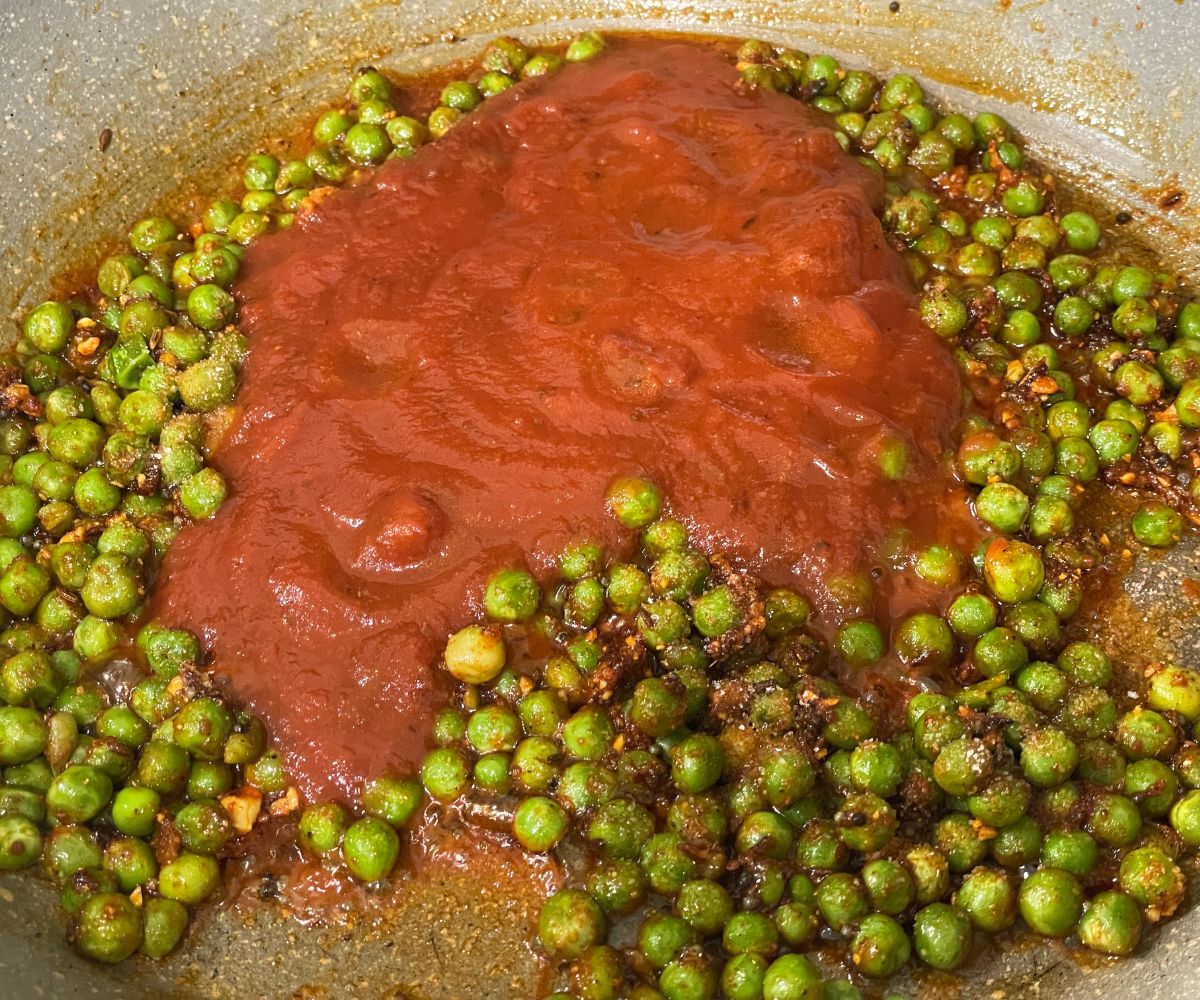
(630, 266)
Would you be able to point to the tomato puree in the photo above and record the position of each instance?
(634, 265)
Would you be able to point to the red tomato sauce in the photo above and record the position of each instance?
(632, 266)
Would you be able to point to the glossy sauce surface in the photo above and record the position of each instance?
(633, 265)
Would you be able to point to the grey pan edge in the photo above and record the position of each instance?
(1105, 87)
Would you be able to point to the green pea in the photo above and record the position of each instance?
(164, 922)
(696, 763)
(370, 847)
(792, 977)
(661, 622)
(202, 727)
(634, 501)
(941, 936)
(943, 312)
(971, 615)
(163, 767)
(18, 510)
(542, 712)
(1049, 518)
(1111, 924)
(150, 232)
(889, 886)
(492, 728)
(1145, 733)
(1157, 525)
(1187, 404)
(190, 878)
(107, 928)
(207, 385)
(1166, 439)
(958, 838)
(218, 215)
(366, 143)
(1021, 327)
(765, 834)
(1024, 198)
(1051, 902)
(475, 654)
(1081, 231)
(657, 707)
(135, 810)
(1185, 818)
(84, 701)
(1175, 689)
(392, 798)
(204, 826)
(621, 827)
(963, 767)
(750, 933)
(988, 899)
(1152, 879)
(1140, 384)
(511, 595)
(628, 587)
(974, 260)
(1018, 843)
(598, 972)
(492, 773)
(1102, 763)
(1013, 570)
(112, 588)
(742, 977)
(924, 639)
(706, 905)
(717, 611)
(444, 773)
(880, 948)
(267, 773)
(679, 575)
(203, 493)
(48, 327)
(619, 886)
(132, 861)
(1048, 757)
(539, 823)
(534, 765)
(588, 734)
(168, 650)
(877, 767)
(1131, 282)
(1073, 851)
(668, 866)
(1115, 820)
(860, 643)
(570, 923)
(20, 842)
(1003, 506)
(1187, 764)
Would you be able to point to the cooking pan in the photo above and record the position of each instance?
(1103, 88)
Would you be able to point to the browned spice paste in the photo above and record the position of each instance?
(629, 266)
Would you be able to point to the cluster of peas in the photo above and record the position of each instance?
(739, 806)
(372, 131)
(129, 791)
(122, 773)
(1091, 364)
(128, 803)
(1085, 368)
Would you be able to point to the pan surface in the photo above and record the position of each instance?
(1099, 87)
